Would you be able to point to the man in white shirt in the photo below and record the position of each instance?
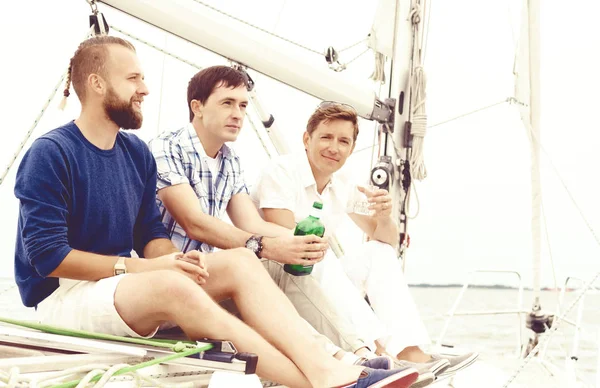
(285, 194)
(200, 179)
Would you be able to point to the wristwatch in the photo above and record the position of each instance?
(254, 243)
(120, 267)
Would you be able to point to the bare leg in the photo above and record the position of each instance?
(147, 299)
(410, 353)
(413, 354)
(239, 275)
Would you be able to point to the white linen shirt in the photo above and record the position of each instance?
(288, 183)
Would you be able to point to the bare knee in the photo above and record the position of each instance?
(239, 265)
(164, 289)
(168, 282)
(245, 254)
(242, 260)
(144, 300)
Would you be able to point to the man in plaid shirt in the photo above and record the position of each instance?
(200, 178)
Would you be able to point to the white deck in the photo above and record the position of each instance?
(484, 373)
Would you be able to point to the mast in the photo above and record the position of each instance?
(401, 67)
(527, 92)
(533, 19)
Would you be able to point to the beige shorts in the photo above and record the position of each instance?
(86, 305)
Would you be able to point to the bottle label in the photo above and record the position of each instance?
(319, 232)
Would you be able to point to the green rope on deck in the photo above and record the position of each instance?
(176, 346)
(133, 368)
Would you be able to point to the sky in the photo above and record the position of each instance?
(472, 211)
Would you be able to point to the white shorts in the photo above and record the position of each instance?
(86, 305)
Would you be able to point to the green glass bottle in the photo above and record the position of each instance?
(310, 225)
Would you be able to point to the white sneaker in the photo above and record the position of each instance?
(456, 363)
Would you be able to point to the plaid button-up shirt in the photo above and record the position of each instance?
(181, 159)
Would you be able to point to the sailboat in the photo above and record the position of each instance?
(389, 106)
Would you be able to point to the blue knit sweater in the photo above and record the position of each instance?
(74, 195)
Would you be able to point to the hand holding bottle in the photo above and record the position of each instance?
(299, 250)
(310, 227)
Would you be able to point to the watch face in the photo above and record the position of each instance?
(252, 244)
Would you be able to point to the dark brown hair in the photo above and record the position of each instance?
(90, 58)
(205, 81)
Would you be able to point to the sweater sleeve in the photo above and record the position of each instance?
(43, 189)
(148, 225)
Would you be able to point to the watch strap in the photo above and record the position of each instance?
(255, 244)
(120, 267)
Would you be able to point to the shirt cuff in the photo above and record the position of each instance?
(170, 179)
(276, 204)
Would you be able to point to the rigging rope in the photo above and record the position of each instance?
(118, 370)
(36, 121)
(93, 5)
(356, 57)
(378, 74)
(258, 28)
(418, 119)
(585, 220)
(195, 65)
(340, 67)
(369, 147)
(6, 290)
(192, 64)
(255, 128)
(425, 39)
(507, 100)
(586, 288)
(419, 124)
(99, 374)
(548, 244)
(414, 189)
(353, 45)
(31, 129)
(564, 185)
(553, 329)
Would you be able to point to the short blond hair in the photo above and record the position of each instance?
(332, 112)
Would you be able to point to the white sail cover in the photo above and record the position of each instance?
(381, 38)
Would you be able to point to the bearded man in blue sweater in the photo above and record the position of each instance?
(87, 201)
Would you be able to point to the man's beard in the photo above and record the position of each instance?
(122, 112)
